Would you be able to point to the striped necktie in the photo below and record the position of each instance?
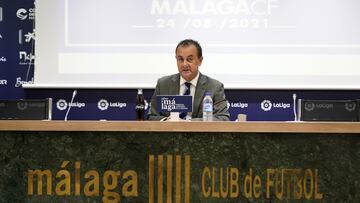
(187, 92)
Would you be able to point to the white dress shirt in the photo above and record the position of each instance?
(192, 90)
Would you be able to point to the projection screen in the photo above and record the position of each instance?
(247, 44)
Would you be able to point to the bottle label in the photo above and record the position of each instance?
(207, 108)
(140, 107)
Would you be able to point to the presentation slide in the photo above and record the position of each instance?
(247, 44)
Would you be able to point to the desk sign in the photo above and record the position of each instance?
(174, 103)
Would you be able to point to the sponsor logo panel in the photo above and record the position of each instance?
(242, 105)
(26, 37)
(26, 58)
(309, 106)
(62, 104)
(104, 104)
(267, 105)
(25, 14)
(350, 106)
(19, 81)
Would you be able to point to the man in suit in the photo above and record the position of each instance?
(189, 58)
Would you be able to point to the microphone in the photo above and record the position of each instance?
(70, 104)
(294, 107)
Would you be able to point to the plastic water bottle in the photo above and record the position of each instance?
(207, 107)
(140, 106)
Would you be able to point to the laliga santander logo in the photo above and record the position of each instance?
(103, 104)
(61, 104)
(22, 105)
(350, 106)
(309, 106)
(266, 105)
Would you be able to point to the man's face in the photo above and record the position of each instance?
(188, 62)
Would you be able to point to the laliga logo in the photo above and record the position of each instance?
(239, 105)
(22, 105)
(61, 104)
(309, 106)
(350, 106)
(22, 14)
(103, 104)
(266, 105)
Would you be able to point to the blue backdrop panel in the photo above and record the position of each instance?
(258, 105)
(17, 21)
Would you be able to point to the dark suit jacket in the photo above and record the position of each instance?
(169, 85)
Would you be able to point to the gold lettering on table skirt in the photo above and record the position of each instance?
(187, 179)
(158, 177)
(151, 178)
(178, 180)
(169, 168)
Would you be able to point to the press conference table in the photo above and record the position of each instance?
(185, 126)
(323, 158)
